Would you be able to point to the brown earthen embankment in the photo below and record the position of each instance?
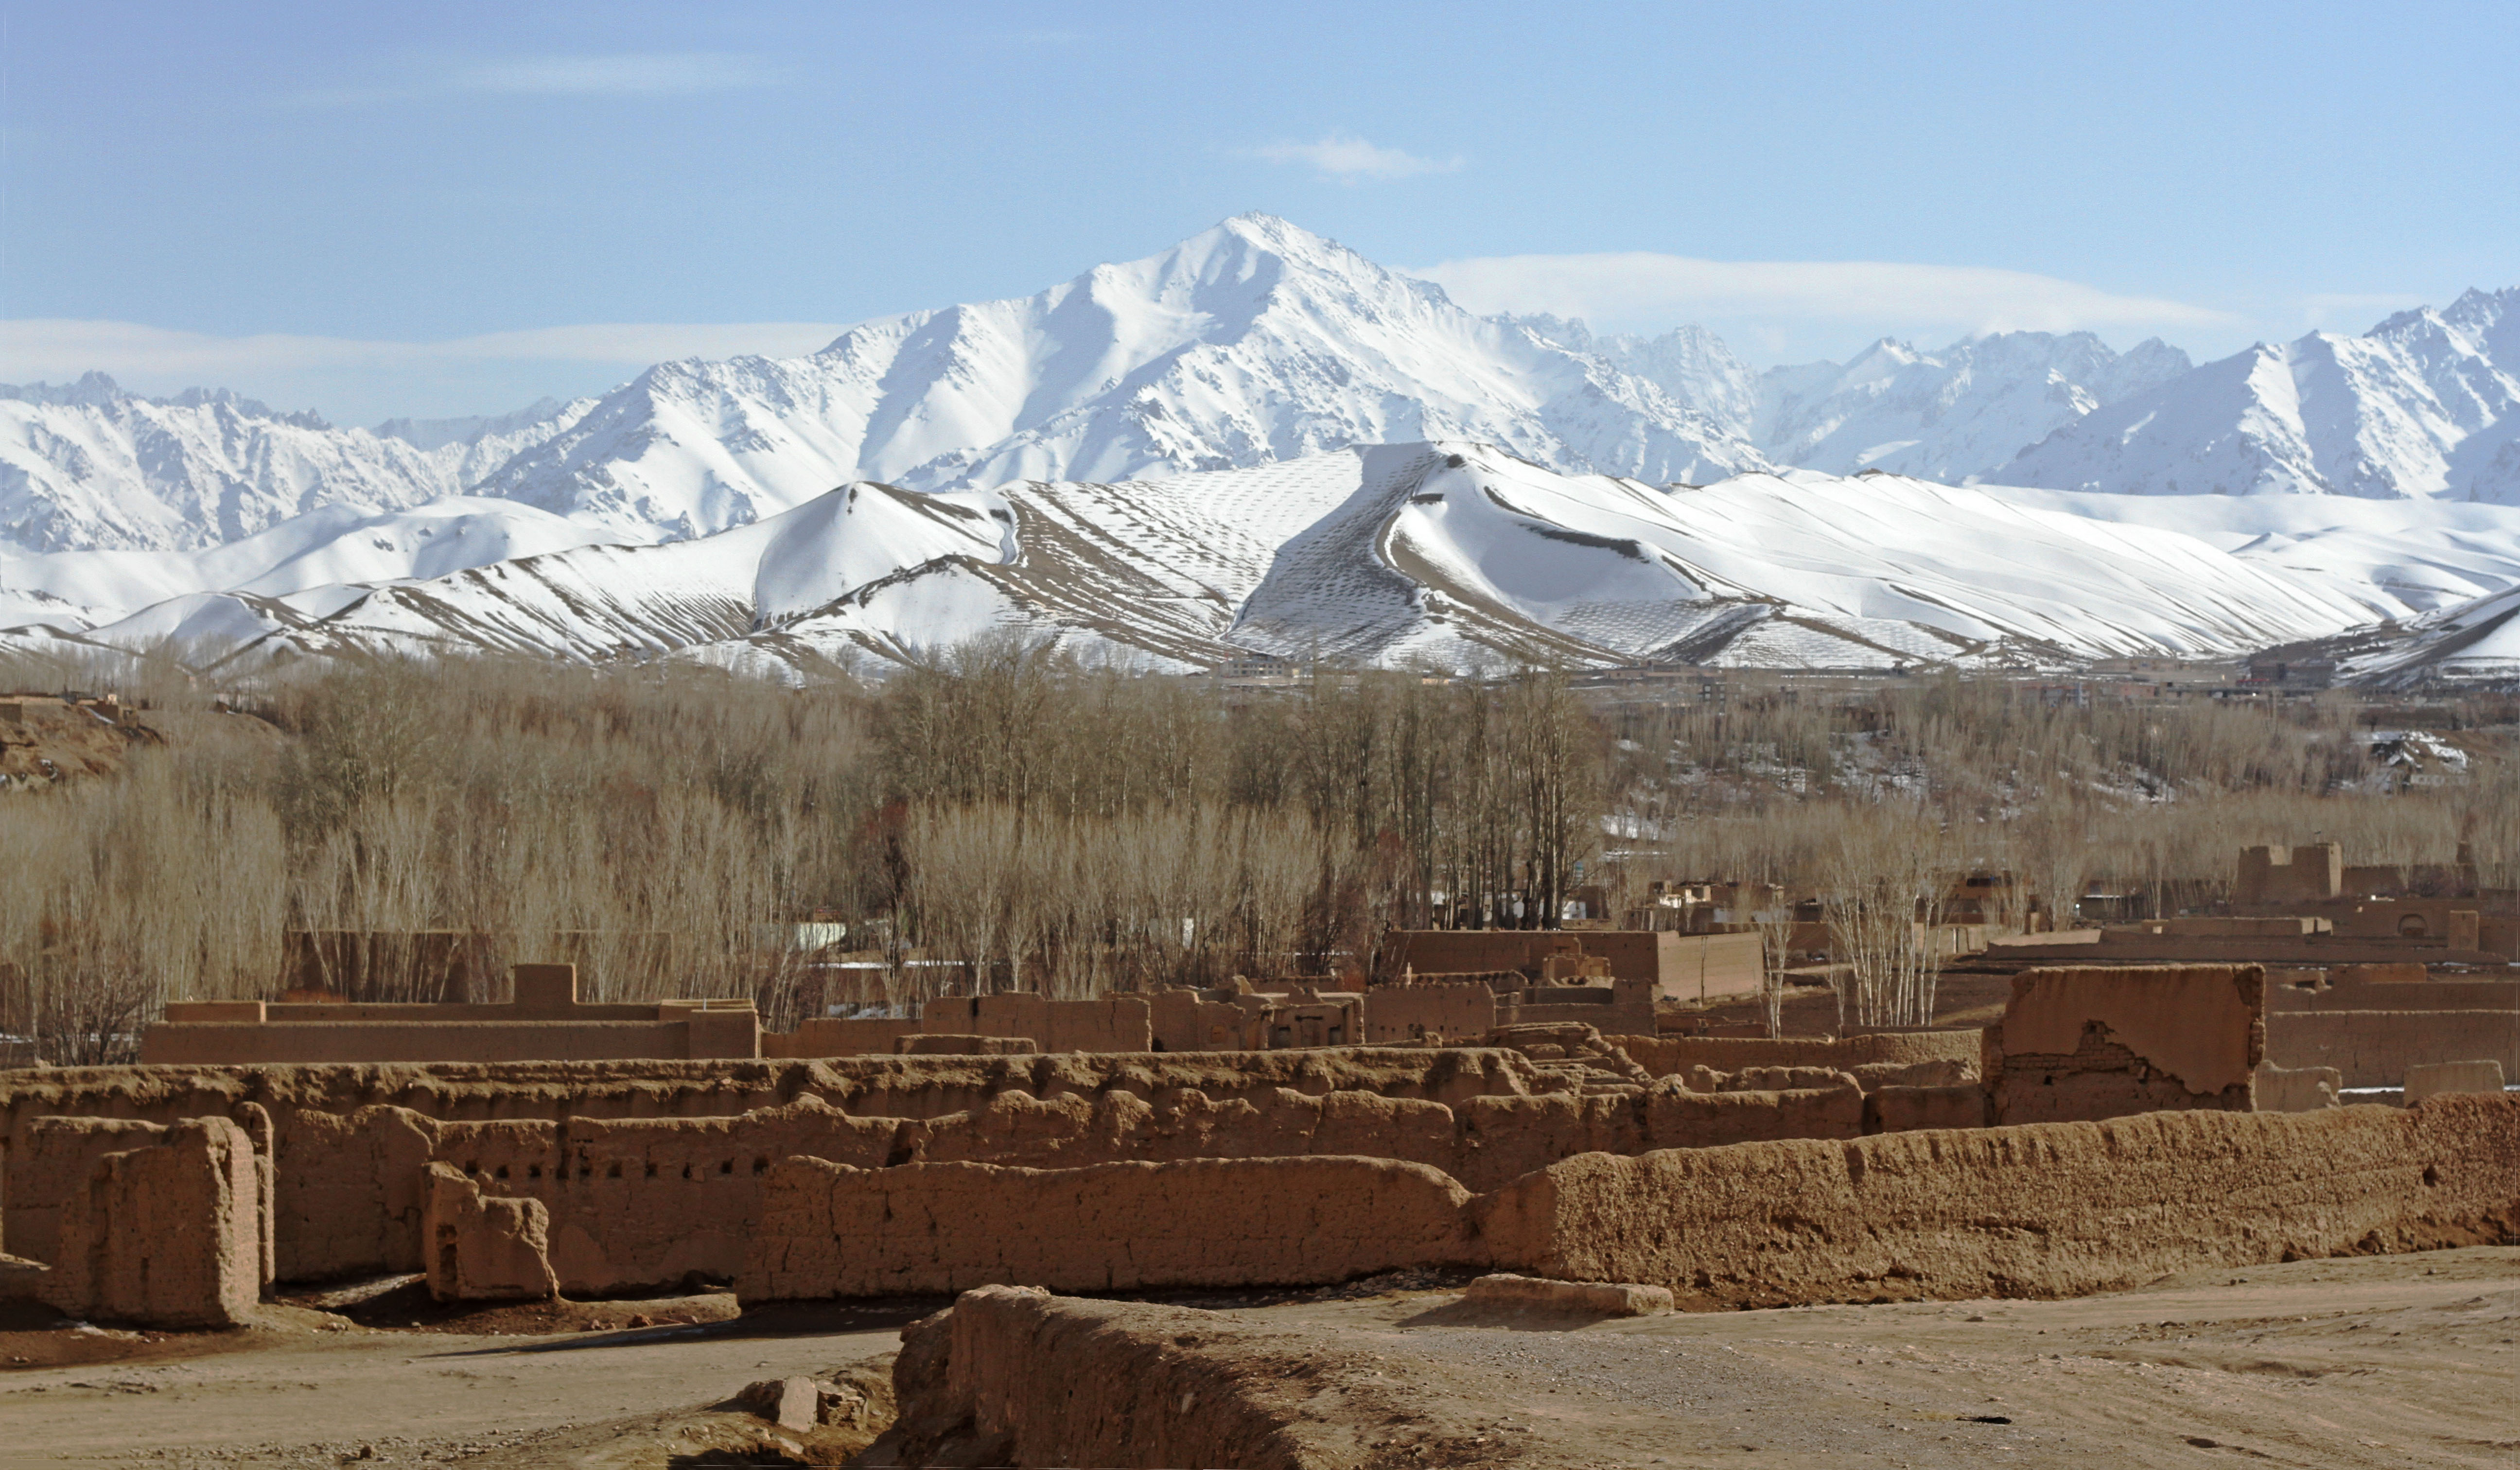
(895, 1086)
(1670, 1055)
(2055, 1209)
(973, 1389)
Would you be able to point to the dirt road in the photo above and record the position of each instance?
(2376, 1361)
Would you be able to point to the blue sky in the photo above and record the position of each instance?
(453, 207)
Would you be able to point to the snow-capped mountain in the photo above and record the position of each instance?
(1454, 553)
(1250, 342)
(90, 466)
(1255, 343)
(2425, 405)
(1956, 415)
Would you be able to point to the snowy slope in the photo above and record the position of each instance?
(89, 467)
(332, 546)
(1454, 553)
(1437, 559)
(2398, 560)
(2421, 407)
(1956, 415)
(1689, 362)
(2475, 643)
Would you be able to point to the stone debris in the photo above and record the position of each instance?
(801, 1404)
(1600, 1298)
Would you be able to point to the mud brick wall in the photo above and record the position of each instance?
(830, 1231)
(652, 1202)
(2418, 993)
(349, 1191)
(1452, 1009)
(831, 1036)
(1113, 1023)
(2054, 1209)
(310, 1043)
(2086, 1043)
(2373, 1048)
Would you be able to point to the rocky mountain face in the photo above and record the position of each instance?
(90, 466)
(2426, 405)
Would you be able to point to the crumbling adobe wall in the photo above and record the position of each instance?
(654, 1202)
(48, 1165)
(830, 1231)
(1484, 1142)
(2373, 1048)
(651, 1202)
(2099, 1042)
(482, 1247)
(165, 1232)
(353, 1141)
(2056, 1209)
(2296, 1090)
(1182, 1019)
(324, 1232)
(1673, 1055)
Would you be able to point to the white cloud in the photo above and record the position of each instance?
(1640, 288)
(1347, 157)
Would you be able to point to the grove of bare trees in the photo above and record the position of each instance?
(1013, 819)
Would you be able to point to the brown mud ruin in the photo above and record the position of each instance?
(2115, 1126)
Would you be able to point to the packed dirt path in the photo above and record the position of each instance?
(2376, 1361)
(311, 1388)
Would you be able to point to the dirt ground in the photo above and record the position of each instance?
(2375, 1362)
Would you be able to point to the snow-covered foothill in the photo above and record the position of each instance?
(1450, 553)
